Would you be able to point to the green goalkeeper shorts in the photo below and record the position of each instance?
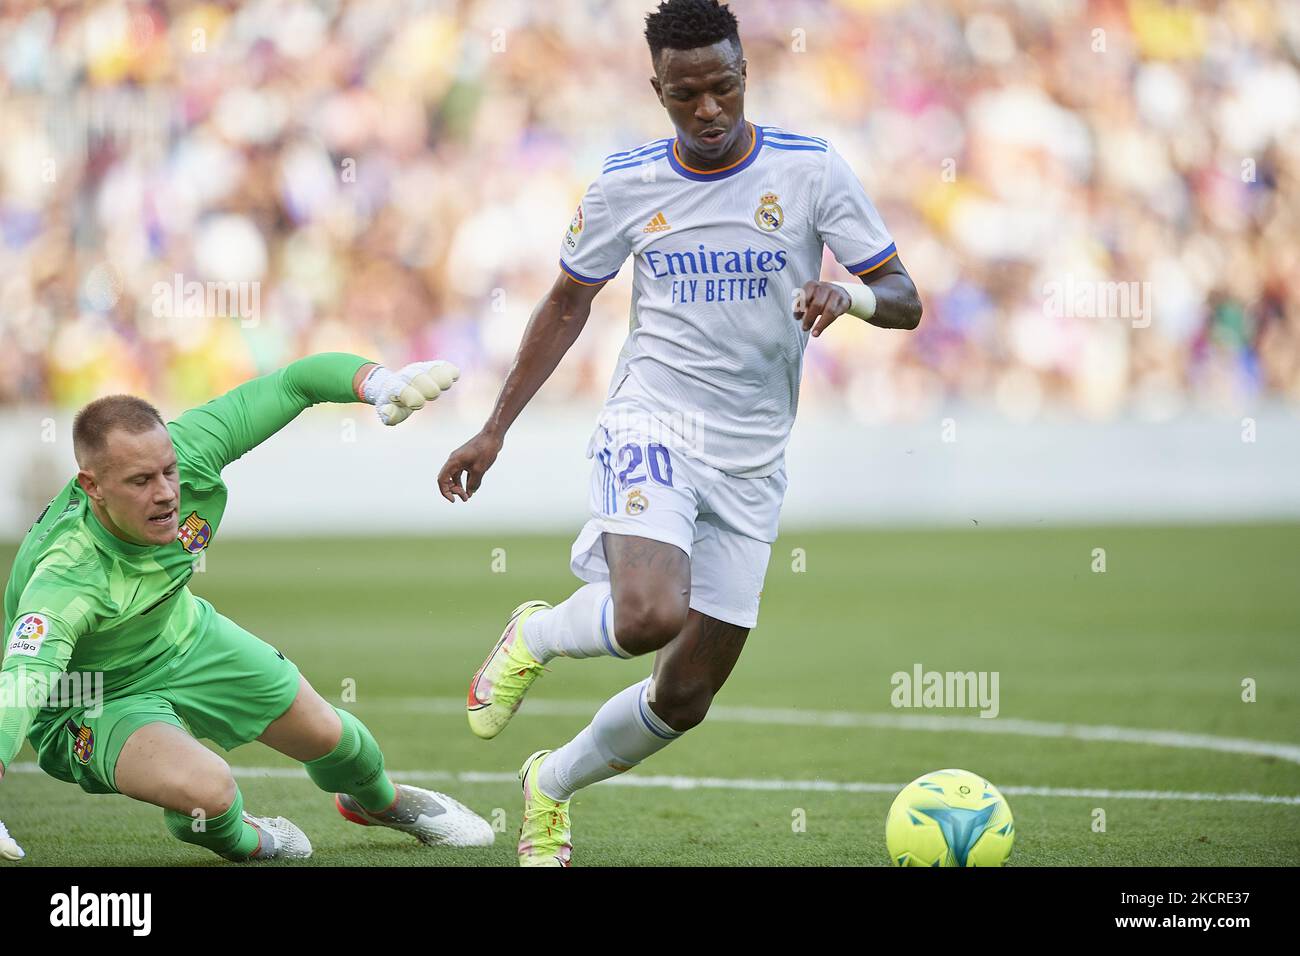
(228, 686)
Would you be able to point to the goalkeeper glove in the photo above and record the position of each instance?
(396, 394)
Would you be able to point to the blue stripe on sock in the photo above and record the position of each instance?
(604, 631)
(645, 719)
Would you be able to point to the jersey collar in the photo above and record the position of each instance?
(710, 175)
(110, 540)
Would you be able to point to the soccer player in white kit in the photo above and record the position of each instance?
(725, 224)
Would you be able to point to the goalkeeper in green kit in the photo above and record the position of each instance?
(98, 593)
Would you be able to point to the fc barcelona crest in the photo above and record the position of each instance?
(83, 742)
(195, 533)
(768, 216)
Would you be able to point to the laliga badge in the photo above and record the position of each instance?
(28, 635)
(575, 230)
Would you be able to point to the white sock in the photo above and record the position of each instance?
(582, 626)
(623, 733)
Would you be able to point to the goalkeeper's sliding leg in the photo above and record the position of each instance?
(233, 688)
(162, 764)
(342, 758)
(233, 682)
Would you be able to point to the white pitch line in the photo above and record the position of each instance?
(790, 717)
(663, 782)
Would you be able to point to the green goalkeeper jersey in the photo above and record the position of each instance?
(81, 601)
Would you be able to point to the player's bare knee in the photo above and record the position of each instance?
(642, 625)
(682, 704)
(211, 789)
(326, 733)
(322, 727)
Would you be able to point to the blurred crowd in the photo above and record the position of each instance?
(393, 177)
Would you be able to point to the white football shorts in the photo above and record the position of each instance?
(643, 483)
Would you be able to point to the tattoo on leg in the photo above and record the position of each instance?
(642, 554)
(719, 642)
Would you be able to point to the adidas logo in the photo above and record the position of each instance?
(657, 224)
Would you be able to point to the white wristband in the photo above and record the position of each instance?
(863, 299)
(369, 384)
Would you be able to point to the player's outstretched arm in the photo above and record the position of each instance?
(888, 299)
(228, 427)
(552, 330)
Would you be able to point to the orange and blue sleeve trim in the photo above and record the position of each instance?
(874, 262)
(581, 279)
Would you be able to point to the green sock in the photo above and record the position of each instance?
(227, 835)
(354, 767)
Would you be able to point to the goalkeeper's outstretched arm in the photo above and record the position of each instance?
(228, 427)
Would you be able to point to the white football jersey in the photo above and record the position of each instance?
(715, 353)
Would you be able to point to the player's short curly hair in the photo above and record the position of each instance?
(688, 24)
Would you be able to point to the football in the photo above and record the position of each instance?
(949, 818)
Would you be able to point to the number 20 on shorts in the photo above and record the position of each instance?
(656, 459)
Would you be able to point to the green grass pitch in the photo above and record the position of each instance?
(1162, 640)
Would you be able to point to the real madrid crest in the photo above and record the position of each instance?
(768, 216)
(637, 503)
